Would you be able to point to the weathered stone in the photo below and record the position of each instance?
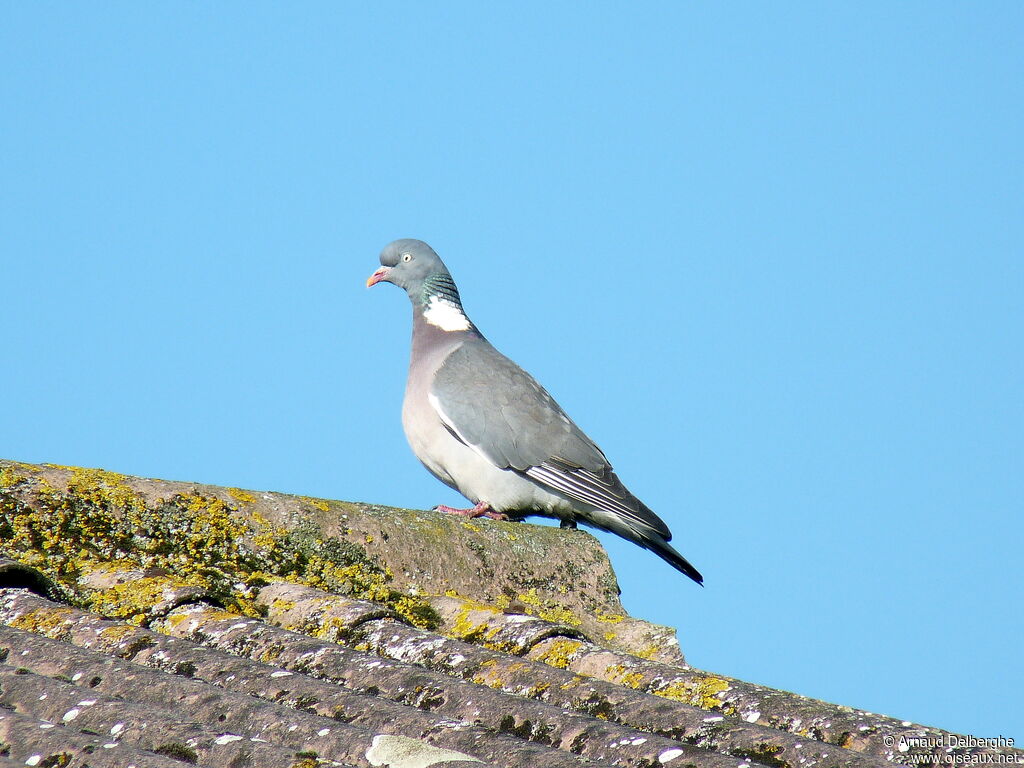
(36, 742)
(400, 681)
(116, 589)
(666, 717)
(142, 726)
(325, 710)
(318, 613)
(227, 543)
(512, 633)
(255, 699)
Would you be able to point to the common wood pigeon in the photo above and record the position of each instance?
(485, 427)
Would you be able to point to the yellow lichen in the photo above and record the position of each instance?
(632, 679)
(558, 652)
(213, 614)
(116, 633)
(103, 486)
(548, 610)
(243, 496)
(271, 654)
(52, 623)
(700, 691)
(10, 478)
(175, 619)
(320, 504)
(133, 600)
(620, 673)
(464, 629)
(647, 652)
(331, 628)
(280, 605)
(537, 690)
(569, 684)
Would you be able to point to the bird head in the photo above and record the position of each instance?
(413, 265)
(408, 263)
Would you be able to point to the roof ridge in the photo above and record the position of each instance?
(71, 522)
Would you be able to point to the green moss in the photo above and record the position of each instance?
(204, 540)
(178, 751)
(764, 753)
(57, 760)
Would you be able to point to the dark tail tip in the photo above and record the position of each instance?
(690, 571)
(677, 561)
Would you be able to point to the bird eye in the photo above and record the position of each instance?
(406, 257)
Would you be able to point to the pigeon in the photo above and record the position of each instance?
(484, 426)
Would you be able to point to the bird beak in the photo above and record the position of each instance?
(376, 277)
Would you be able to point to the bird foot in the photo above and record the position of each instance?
(482, 509)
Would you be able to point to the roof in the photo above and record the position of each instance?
(151, 623)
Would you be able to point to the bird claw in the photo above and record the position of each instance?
(482, 509)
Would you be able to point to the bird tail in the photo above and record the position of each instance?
(666, 552)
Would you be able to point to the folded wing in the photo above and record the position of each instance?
(495, 407)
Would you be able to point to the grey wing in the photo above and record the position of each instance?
(498, 409)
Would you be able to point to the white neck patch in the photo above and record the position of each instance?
(446, 315)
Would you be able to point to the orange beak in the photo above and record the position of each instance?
(377, 276)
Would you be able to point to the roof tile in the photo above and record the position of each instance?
(331, 720)
(31, 741)
(178, 622)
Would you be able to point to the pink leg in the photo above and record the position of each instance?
(482, 509)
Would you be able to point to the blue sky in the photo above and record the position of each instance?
(768, 257)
